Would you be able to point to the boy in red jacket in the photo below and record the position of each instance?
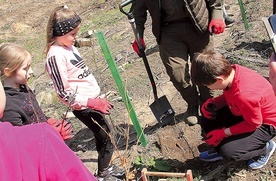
(240, 123)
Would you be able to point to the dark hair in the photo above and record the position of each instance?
(207, 65)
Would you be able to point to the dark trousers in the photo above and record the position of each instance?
(178, 44)
(104, 145)
(238, 147)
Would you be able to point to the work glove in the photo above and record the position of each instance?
(214, 137)
(63, 127)
(216, 26)
(208, 109)
(102, 105)
(136, 47)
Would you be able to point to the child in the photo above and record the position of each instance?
(240, 123)
(272, 71)
(22, 107)
(76, 86)
(36, 152)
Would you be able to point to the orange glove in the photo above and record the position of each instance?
(216, 26)
(63, 127)
(102, 105)
(136, 47)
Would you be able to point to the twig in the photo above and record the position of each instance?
(213, 174)
(70, 104)
(111, 138)
(240, 175)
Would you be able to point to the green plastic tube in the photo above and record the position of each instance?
(245, 22)
(122, 90)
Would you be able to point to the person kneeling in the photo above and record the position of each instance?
(241, 123)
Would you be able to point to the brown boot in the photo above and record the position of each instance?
(192, 117)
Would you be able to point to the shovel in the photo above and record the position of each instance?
(161, 107)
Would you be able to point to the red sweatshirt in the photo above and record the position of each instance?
(252, 97)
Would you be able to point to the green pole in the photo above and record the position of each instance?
(121, 87)
(245, 22)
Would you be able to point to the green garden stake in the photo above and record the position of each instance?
(121, 87)
(245, 22)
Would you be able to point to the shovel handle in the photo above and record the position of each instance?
(143, 55)
(131, 19)
(124, 4)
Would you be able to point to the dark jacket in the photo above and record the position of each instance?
(200, 13)
(22, 107)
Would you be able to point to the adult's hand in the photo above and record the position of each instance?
(136, 47)
(216, 26)
(102, 105)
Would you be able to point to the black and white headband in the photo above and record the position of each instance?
(63, 27)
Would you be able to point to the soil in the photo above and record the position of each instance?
(177, 144)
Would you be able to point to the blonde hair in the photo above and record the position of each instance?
(12, 56)
(59, 14)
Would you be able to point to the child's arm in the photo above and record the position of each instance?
(272, 71)
(73, 82)
(2, 100)
(250, 109)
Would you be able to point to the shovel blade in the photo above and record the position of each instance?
(162, 111)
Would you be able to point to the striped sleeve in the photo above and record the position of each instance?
(58, 74)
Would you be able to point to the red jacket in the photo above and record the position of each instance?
(252, 97)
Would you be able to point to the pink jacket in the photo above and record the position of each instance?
(37, 152)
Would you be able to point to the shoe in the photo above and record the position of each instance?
(229, 21)
(112, 170)
(210, 156)
(192, 117)
(115, 171)
(107, 178)
(262, 160)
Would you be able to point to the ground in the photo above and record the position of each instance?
(178, 144)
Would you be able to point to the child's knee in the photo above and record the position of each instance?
(231, 154)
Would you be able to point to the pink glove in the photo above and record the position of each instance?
(208, 109)
(136, 47)
(214, 137)
(63, 127)
(102, 105)
(216, 26)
